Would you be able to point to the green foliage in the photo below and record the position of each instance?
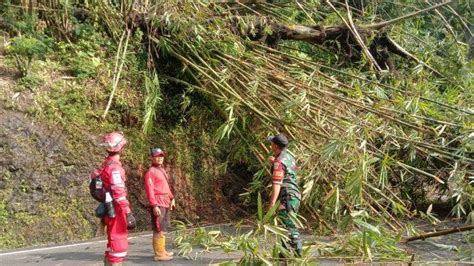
(86, 53)
(367, 141)
(260, 244)
(153, 99)
(84, 65)
(14, 20)
(3, 213)
(25, 50)
(30, 82)
(66, 104)
(467, 254)
(82, 61)
(369, 242)
(188, 238)
(383, 131)
(370, 245)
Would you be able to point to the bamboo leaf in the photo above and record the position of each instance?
(259, 208)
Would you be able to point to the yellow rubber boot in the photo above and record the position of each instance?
(159, 248)
(164, 244)
(155, 241)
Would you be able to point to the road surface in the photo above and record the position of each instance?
(91, 253)
(141, 253)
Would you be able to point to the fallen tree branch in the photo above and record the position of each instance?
(353, 41)
(440, 233)
(356, 34)
(398, 49)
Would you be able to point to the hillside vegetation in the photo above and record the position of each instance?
(375, 96)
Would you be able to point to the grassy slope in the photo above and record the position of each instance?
(50, 125)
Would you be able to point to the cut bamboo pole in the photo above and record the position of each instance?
(117, 75)
(380, 25)
(439, 233)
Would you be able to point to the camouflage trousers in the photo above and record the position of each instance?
(287, 217)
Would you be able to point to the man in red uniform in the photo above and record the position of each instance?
(113, 177)
(161, 201)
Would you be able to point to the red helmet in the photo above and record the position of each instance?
(154, 152)
(114, 141)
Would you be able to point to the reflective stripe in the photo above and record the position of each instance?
(118, 254)
(121, 198)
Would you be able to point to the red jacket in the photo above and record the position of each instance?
(113, 176)
(157, 188)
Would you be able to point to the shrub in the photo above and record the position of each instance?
(84, 64)
(30, 82)
(25, 50)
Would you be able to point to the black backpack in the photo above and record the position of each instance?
(96, 186)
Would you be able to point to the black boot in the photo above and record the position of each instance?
(297, 246)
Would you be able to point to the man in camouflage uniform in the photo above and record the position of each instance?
(285, 188)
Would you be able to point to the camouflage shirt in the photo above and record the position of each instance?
(284, 174)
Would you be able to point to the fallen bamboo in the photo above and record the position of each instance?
(439, 233)
(380, 25)
(117, 74)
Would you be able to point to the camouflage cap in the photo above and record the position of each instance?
(279, 140)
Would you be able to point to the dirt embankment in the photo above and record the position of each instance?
(44, 169)
(42, 177)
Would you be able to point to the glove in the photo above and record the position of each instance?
(131, 221)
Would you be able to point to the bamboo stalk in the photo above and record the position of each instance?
(405, 124)
(446, 23)
(406, 166)
(462, 20)
(357, 36)
(321, 220)
(439, 233)
(117, 75)
(381, 25)
(402, 121)
(226, 88)
(414, 57)
(366, 80)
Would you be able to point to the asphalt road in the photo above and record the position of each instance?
(91, 253)
(435, 251)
